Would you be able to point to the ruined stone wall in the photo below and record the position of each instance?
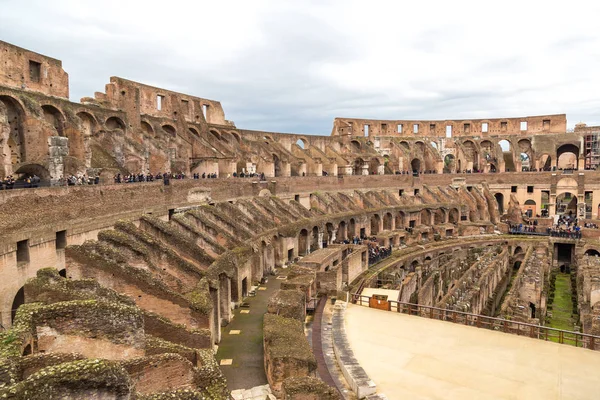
(29, 71)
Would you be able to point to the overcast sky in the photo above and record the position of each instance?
(292, 66)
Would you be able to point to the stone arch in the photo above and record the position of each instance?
(170, 130)
(215, 133)
(357, 168)
(147, 129)
(454, 216)
(374, 166)
(414, 265)
(303, 242)
(328, 233)
(355, 146)
(567, 156)
(194, 132)
(439, 216)
(566, 203)
(315, 241)
(500, 202)
(405, 145)
(592, 252)
(415, 165)
(34, 169)
(425, 216)
(113, 123)
(18, 301)
(507, 155)
(517, 250)
(55, 118)
(12, 137)
(400, 220)
(387, 221)
(342, 232)
(545, 162)
(352, 227)
(302, 143)
(449, 164)
(79, 139)
(375, 223)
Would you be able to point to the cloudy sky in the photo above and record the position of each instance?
(292, 66)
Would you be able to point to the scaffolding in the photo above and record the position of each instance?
(592, 151)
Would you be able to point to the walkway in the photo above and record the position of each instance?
(410, 357)
(240, 352)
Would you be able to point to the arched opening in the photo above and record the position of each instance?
(303, 242)
(471, 154)
(276, 166)
(352, 228)
(302, 144)
(18, 301)
(27, 170)
(55, 118)
(12, 140)
(79, 140)
(194, 132)
(453, 217)
(434, 145)
(314, 243)
(546, 162)
(355, 146)
(525, 162)
(532, 309)
(27, 350)
(400, 220)
(566, 203)
(567, 156)
(405, 145)
(500, 201)
(214, 134)
(518, 250)
(516, 265)
(413, 266)
(170, 130)
(63, 273)
(375, 221)
(374, 166)
(415, 165)
(439, 217)
(342, 233)
(530, 208)
(507, 155)
(449, 164)
(328, 234)
(357, 168)
(387, 222)
(425, 217)
(147, 129)
(592, 252)
(113, 123)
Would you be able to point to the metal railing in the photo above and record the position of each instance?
(576, 339)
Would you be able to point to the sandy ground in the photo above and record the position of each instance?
(411, 357)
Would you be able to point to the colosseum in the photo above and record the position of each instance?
(152, 249)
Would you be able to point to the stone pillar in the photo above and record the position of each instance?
(320, 236)
(365, 169)
(381, 170)
(58, 148)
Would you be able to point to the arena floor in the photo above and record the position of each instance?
(411, 357)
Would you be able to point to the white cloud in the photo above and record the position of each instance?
(295, 65)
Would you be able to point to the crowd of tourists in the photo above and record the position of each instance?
(376, 252)
(131, 178)
(9, 182)
(73, 180)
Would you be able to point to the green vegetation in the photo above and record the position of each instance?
(560, 305)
